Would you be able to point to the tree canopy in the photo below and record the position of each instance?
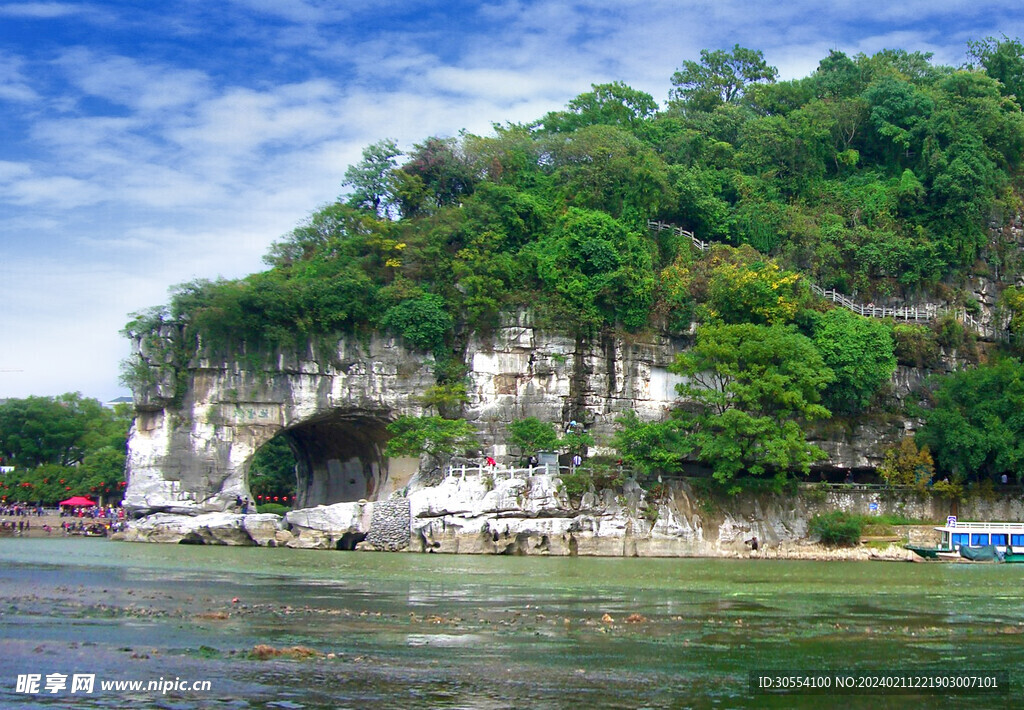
(62, 446)
(975, 424)
(720, 77)
(754, 387)
(875, 174)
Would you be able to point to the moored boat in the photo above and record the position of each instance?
(977, 542)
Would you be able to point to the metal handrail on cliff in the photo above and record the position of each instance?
(926, 313)
(462, 470)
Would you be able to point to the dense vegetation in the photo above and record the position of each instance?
(876, 175)
(62, 447)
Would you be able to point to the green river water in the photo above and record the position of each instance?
(432, 631)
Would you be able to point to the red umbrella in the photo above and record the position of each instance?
(77, 501)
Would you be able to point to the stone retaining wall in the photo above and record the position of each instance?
(390, 525)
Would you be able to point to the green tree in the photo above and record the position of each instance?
(1002, 60)
(606, 168)
(860, 352)
(443, 170)
(600, 271)
(898, 111)
(614, 104)
(272, 470)
(423, 322)
(576, 441)
(975, 424)
(531, 435)
(746, 289)
(906, 465)
(436, 437)
(1011, 307)
(448, 398)
(720, 77)
(320, 235)
(650, 447)
(838, 76)
(102, 473)
(59, 430)
(63, 446)
(754, 389)
(372, 179)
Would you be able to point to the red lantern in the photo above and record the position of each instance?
(275, 498)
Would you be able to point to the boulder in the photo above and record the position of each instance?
(325, 526)
(206, 529)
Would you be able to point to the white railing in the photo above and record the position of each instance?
(464, 470)
(923, 313)
(660, 226)
(984, 526)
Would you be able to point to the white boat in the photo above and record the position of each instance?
(1005, 537)
(976, 542)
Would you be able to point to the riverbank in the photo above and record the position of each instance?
(46, 525)
(532, 515)
(339, 527)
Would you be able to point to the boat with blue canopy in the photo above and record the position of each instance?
(977, 542)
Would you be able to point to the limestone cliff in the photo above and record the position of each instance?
(200, 422)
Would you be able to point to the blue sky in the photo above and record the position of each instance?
(144, 144)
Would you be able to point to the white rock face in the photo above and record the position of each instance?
(193, 456)
(527, 515)
(324, 526)
(340, 517)
(206, 529)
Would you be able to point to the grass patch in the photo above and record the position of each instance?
(275, 508)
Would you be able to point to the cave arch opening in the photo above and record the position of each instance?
(335, 457)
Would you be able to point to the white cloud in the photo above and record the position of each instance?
(243, 120)
(10, 170)
(42, 10)
(145, 87)
(58, 192)
(299, 11)
(14, 85)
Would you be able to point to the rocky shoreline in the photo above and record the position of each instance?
(519, 515)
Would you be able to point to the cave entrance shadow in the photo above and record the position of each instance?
(339, 457)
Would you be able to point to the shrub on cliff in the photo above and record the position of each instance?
(974, 427)
(434, 436)
(422, 322)
(860, 353)
(531, 435)
(837, 528)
